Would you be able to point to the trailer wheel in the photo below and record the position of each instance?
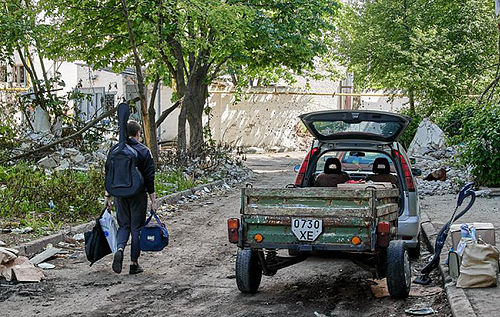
(398, 269)
(248, 271)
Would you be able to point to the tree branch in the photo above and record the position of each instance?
(69, 137)
(168, 111)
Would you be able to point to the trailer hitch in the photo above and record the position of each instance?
(271, 262)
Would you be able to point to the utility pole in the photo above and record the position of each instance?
(497, 7)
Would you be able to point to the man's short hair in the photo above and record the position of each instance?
(133, 127)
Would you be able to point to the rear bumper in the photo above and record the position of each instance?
(409, 226)
(309, 247)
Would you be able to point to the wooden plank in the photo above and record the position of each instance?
(47, 254)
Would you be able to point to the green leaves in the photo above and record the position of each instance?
(439, 49)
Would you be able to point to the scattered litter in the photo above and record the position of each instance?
(6, 230)
(2, 244)
(47, 254)
(46, 265)
(420, 311)
(22, 230)
(79, 237)
(319, 315)
(226, 186)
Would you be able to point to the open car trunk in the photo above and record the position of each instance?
(355, 124)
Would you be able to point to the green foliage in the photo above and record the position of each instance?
(411, 130)
(33, 197)
(438, 50)
(451, 119)
(481, 150)
(167, 182)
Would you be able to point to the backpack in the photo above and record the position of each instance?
(123, 178)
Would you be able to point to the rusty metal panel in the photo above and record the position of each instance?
(336, 231)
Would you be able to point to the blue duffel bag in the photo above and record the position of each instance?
(154, 237)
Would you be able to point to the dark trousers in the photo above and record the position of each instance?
(131, 216)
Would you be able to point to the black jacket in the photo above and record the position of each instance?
(146, 164)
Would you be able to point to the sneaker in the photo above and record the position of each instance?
(118, 261)
(135, 269)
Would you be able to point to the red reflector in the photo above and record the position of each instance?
(303, 167)
(232, 229)
(407, 237)
(384, 227)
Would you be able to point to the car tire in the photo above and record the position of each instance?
(398, 269)
(248, 271)
(415, 251)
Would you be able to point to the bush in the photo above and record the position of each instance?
(451, 120)
(411, 130)
(32, 197)
(481, 150)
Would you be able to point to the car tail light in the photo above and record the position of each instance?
(232, 229)
(303, 167)
(406, 170)
(383, 230)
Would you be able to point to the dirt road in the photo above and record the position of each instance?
(194, 275)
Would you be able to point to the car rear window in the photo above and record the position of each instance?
(383, 129)
(353, 160)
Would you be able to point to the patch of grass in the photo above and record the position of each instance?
(30, 197)
(167, 182)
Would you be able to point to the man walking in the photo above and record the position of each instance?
(131, 211)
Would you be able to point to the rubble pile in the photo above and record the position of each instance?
(14, 267)
(440, 174)
(66, 158)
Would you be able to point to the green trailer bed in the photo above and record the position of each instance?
(342, 214)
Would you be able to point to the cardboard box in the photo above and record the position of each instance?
(485, 231)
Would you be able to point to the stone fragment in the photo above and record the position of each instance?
(78, 159)
(41, 123)
(47, 162)
(429, 138)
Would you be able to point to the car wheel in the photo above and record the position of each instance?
(398, 269)
(248, 271)
(415, 251)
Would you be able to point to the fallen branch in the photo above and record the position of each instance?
(168, 111)
(69, 137)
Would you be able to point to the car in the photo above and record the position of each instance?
(358, 138)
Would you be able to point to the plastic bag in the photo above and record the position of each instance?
(479, 265)
(110, 229)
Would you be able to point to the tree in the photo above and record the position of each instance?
(436, 51)
(191, 42)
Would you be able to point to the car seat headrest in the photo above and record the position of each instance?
(381, 166)
(332, 166)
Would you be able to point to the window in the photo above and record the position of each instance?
(19, 74)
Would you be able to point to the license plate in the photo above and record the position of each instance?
(307, 229)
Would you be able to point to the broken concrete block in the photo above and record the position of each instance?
(47, 254)
(71, 151)
(22, 270)
(429, 138)
(47, 162)
(42, 120)
(6, 256)
(63, 165)
(78, 159)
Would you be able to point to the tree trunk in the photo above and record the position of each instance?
(412, 100)
(148, 113)
(197, 92)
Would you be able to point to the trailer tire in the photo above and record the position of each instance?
(248, 271)
(398, 269)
